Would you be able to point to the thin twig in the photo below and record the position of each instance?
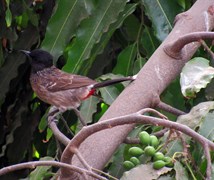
(185, 146)
(33, 164)
(174, 49)
(209, 162)
(77, 112)
(170, 109)
(66, 125)
(161, 132)
(129, 140)
(57, 133)
(82, 160)
(106, 174)
(207, 49)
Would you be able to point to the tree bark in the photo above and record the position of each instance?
(152, 80)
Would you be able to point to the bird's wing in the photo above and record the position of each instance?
(60, 81)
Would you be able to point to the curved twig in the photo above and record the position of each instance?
(33, 164)
(174, 49)
(170, 109)
(57, 133)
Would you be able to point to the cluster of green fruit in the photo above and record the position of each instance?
(149, 143)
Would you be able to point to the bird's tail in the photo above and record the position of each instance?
(113, 81)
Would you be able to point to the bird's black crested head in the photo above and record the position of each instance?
(40, 59)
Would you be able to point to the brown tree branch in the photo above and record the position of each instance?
(175, 49)
(170, 109)
(57, 133)
(129, 140)
(207, 49)
(34, 164)
(161, 132)
(209, 162)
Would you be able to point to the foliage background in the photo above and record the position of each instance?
(100, 39)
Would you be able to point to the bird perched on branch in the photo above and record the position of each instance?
(62, 90)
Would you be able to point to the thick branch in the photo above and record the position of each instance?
(159, 71)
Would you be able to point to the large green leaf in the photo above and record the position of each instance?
(149, 41)
(197, 114)
(194, 119)
(206, 129)
(161, 13)
(195, 75)
(88, 108)
(62, 26)
(109, 94)
(90, 32)
(116, 167)
(181, 172)
(99, 47)
(125, 60)
(41, 172)
(13, 61)
(138, 64)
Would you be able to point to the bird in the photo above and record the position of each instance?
(62, 90)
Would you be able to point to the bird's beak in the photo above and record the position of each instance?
(27, 53)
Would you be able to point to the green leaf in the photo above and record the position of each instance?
(116, 167)
(13, 61)
(8, 17)
(181, 172)
(149, 41)
(207, 127)
(146, 171)
(63, 24)
(195, 75)
(193, 119)
(8, 14)
(131, 28)
(44, 121)
(109, 94)
(182, 3)
(207, 130)
(197, 114)
(99, 47)
(125, 61)
(49, 134)
(138, 64)
(90, 32)
(33, 18)
(162, 14)
(41, 172)
(88, 108)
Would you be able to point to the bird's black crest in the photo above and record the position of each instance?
(40, 59)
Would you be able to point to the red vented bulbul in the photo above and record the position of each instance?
(60, 89)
